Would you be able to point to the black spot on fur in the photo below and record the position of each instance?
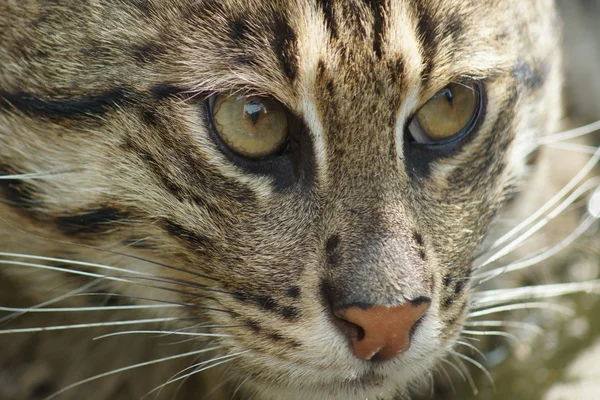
(447, 280)
(285, 46)
(293, 292)
(448, 302)
(290, 313)
(328, 13)
(36, 106)
(418, 238)
(331, 250)
(96, 221)
(238, 29)
(460, 285)
(255, 326)
(195, 241)
(275, 336)
(146, 52)
(265, 302)
(423, 255)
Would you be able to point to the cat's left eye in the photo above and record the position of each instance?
(253, 127)
(450, 114)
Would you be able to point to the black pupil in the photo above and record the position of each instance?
(449, 96)
(254, 111)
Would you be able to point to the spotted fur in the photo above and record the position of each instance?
(106, 101)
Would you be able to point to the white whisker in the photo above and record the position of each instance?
(204, 367)
(579, 148)
(570, 134)
(458, 370)
(74, 262)
(161, 334)
(462, 366)
(538, 257)
(521, 306)
(583, 172)
(493, 297)
(491, 333)
(16, 314)
(473, 348)
(478, 365)
(509, 324)
(87, 309)
(85, 326)
(116, 371)
(580, 191)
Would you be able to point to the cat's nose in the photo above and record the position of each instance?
(380, 333)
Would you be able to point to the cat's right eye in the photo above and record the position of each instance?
(450, 114)
(254, 127)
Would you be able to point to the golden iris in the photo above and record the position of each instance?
(447, 114)
(254, 127)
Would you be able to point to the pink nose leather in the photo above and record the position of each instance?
(385, 331)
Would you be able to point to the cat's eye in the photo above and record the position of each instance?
(254, 127)
(451, 113)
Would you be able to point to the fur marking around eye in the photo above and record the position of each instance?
(94, 106)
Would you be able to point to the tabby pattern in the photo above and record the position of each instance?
(110, 160)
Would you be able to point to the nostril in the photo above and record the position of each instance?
(352, 331)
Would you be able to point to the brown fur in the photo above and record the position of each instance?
(107, 99)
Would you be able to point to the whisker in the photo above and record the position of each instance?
(580, 191)
(493, 297)
(190, 305)
(74, 262)
(447, 375)
(204, 367)
(510, 324)
(87, 309)
(521, 306)
(90, 325)
(458, 370)
(473, 348)
(131, 256)
(478, 365)
(462, 366)
(539, 256)
(570, 134)
(576, 147)
(492, 333)
(161, 333)
(35, 175)
(126, 279)
(16, 314)
(583, 172)
(128, 368)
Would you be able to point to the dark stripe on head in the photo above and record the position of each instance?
(96, 221)
(380, 9)
(426, 28)
(36, 106)
(285, 46)
(329, 14)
